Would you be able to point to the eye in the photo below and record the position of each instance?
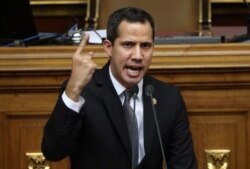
(146, 45)
(128, 44)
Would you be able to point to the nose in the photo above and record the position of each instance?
(138, 54)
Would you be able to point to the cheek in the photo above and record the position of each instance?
(148, 58)
(118, 62)
(121, 57)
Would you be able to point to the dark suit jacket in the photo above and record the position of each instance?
(97, 137)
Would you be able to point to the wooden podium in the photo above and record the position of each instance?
(214, 80)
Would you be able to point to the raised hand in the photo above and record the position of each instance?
(82, 71)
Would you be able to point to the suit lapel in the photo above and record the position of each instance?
(113, 106)
(115, 111)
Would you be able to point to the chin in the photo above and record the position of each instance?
(133, 82)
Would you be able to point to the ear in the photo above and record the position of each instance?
(107, 46)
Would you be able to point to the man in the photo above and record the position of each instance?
(89, 124)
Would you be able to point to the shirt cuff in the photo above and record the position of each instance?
(76, 106)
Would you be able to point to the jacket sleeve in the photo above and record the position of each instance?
(61, 132)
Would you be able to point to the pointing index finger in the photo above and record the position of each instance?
(82, 44)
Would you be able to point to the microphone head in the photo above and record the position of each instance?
(135, 89)
(149, 89)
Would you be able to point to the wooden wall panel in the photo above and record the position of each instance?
(58, 15)
(170, 16)
(23, 134)
(220, 129)
(214, 81)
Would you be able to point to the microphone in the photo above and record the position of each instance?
(135, 89)
(149, 90)
(74, 34)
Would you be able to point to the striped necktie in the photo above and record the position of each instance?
(132, 126)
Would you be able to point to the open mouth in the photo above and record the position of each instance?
(133, 70)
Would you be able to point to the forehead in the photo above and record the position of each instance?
(126, 28)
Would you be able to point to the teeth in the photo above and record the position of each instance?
(133, 71)
(133, 68)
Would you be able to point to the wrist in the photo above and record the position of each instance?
(73, 92)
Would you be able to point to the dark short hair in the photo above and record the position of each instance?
(131, 15)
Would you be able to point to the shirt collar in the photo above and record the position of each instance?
(120, 88)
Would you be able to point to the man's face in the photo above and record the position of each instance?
(131, 52)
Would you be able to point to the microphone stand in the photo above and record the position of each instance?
(149, 90)
(158, 131)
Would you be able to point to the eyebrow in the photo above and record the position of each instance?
(130, 41)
